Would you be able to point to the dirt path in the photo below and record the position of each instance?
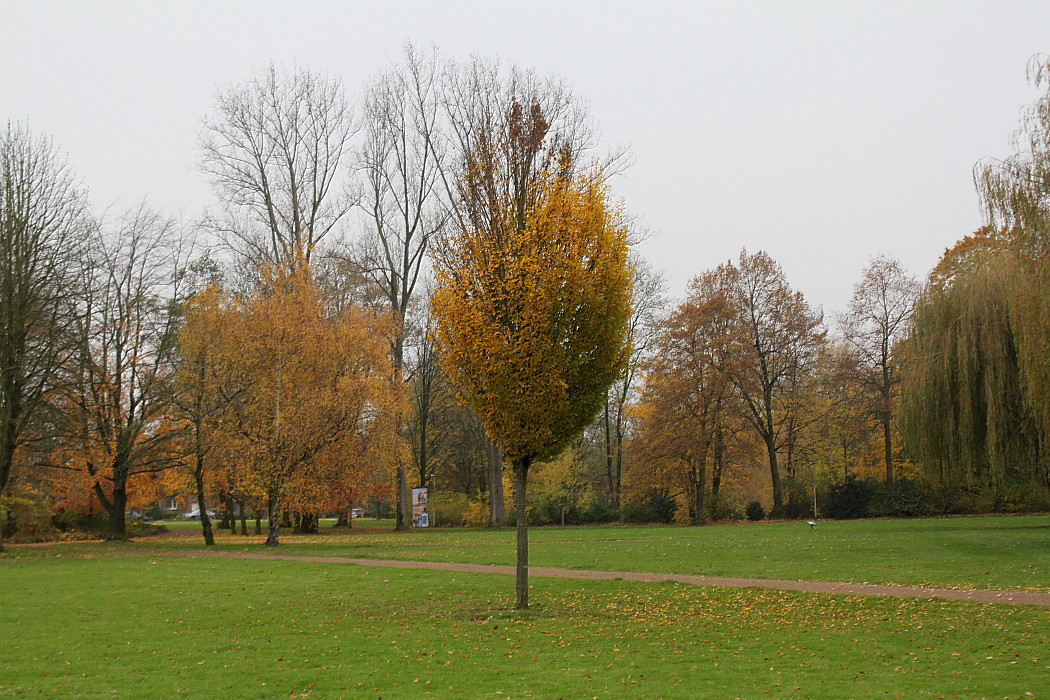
(980, 596)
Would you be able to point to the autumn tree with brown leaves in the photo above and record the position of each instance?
(780, 338)
(688, 395)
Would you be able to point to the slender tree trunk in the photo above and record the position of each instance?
(521, 476)
(118, 525)
(774, 473)
(244, 521)
(719, 465)
(610, 478)
(404, 506)
(198, 477)
(887, 441)
(274, 529)
(258, 521)
(497, 508)
(701, 477)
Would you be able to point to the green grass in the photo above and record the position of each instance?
(1009, 552)
(173, 626)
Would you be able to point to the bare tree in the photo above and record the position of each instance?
(275, 154)
(488, 104)
(400, 165)
(649, 305)
(877, 318)
(117, 415)
(42, 230)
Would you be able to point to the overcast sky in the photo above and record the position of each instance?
(821, 132)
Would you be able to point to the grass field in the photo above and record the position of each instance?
(1011, 552)
(76, 621)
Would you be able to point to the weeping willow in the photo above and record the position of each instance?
(975, 397)
(1016, 194)
(965, 410)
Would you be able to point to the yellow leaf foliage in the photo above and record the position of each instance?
(532, 314)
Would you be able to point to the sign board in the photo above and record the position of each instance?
(420, 511)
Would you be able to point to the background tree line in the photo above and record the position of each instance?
(277, 356)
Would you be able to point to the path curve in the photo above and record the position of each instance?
(980, 596)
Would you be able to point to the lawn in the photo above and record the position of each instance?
(1006, 552)
(79, 623)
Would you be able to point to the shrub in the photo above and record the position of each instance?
(904, 498)
(754, 511)
(26, 518)
(849, 500)
(656, 507)
(451, 509)
(793, 510)
(725, 507)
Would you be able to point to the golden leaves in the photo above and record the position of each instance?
(532, 313)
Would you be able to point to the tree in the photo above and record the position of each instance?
(312, 388)
(533, 303)
(43, 226)
(965, 410)
(275, 156)
(781, 335)
(876, 320)
(688, 391)
(401, 167)
(642, 330)
(204, 388)
(118, 396)
(1016, 194)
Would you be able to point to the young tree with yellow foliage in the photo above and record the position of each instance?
(533, 302)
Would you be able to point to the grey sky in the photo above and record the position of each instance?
(821, 132)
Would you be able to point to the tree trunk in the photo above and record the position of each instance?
(497, 509)
(701, 477)
(244, 521)
(887, 446)
(274, 529)
(610, 479)
(258, 521)
(308, 524)
(198, 477)
(774, 473)
(521, 475)
(717, 467)
(404, 507)
(225, 514)
(118, 526)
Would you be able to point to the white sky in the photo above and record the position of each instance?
(821, 132)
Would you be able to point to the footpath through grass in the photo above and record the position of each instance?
(168, 626)
(1007, 553)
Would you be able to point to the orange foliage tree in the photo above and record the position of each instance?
(204, 386)
(688, 393)
(312, 390)
(532, 307)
